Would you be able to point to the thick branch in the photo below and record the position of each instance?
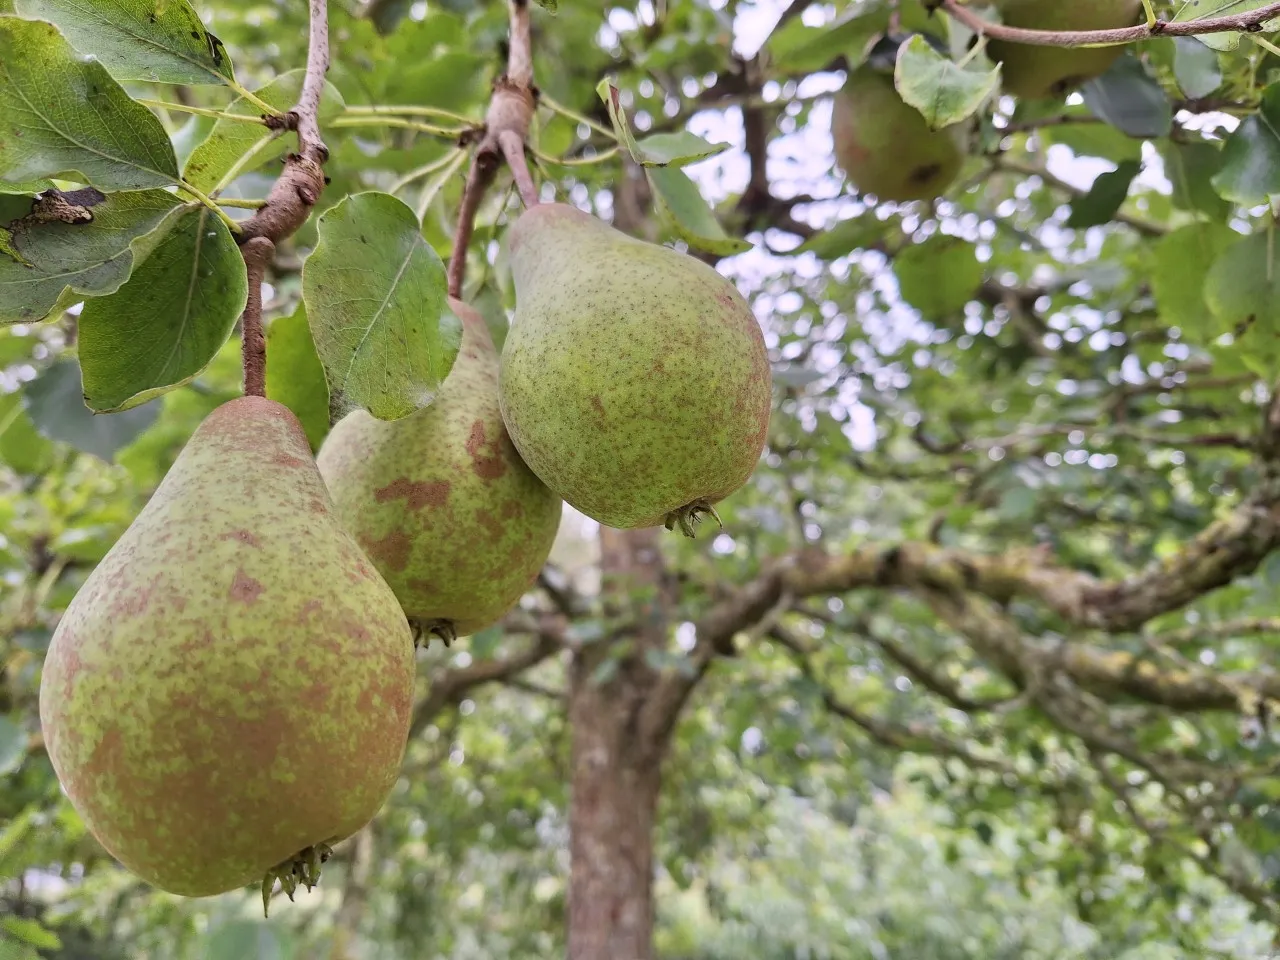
(1249, 22)
(257, 254)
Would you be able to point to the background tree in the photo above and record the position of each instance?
(978, 666)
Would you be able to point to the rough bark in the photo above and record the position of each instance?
(616, 761)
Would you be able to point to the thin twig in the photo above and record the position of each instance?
(506, 127)
(257, 253)
(290, 200)
(307, 110)
(513, 152)
(478, 180)
(1248, 22)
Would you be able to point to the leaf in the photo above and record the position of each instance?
(295, 376)
(801, 48)
(13, 745)
(682, 208)
(1182, 262)
(56, 260)
(27, 930)
(236, 147)
(1196, 67)
(1105, 197)
(158, 40)
(21, 446)
(1250, 171)
(855, 233)
(1243, 287)
(247, 938)
(943, 91)
(676, 149)
(1205, 9)
(613, 104)
(56, 406)
(163, 327)
(63, 116)
(938, 277)
(1128, 99)
(375, 298)
(1190, 168)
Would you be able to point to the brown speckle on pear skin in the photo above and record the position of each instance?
(476, 525)
(202, 749)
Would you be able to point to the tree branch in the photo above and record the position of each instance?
(450, 687)
(291, 198)
(1248, 22)
(506, 126)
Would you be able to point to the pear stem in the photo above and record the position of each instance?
(257, 253)
(506, 127)
(513, 151)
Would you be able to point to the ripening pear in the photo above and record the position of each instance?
(441, 501)
(1034, 72)
(230, 691)
(885, 146)
(635, 381)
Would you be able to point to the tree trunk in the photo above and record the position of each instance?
(616, 766)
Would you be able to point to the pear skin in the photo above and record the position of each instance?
(1034, 72)
(232, 686)
(634, 381)
(885, 146)
(441, 501)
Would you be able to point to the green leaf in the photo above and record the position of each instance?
(56, 406)
(158, 40)
(801, 48)
(1243, 293)
(1251, 158)
(233, 147)
(375, 298)
(240, 939)
(855, 233)
(683, 210)
(1196, 67)
(1182, 262)
(1127, 98)
(64, 116)
(613, 104)
(53, 262)
(295, 376)
(1105, 197)
(938, 277)
(21, 446)
(1191, 168)
(1207, 9)
(13, 745)
(943, 91)
(676, 149)
(27, 930)
(164, 326)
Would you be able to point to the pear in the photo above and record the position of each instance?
(230, 691)
(635, 381)
(884, 145)
(1035, 72)
(441, 501)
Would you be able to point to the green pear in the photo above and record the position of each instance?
(884, 145)
(635, 381)
(1035, 72)
(441, 501)
(230, 690)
